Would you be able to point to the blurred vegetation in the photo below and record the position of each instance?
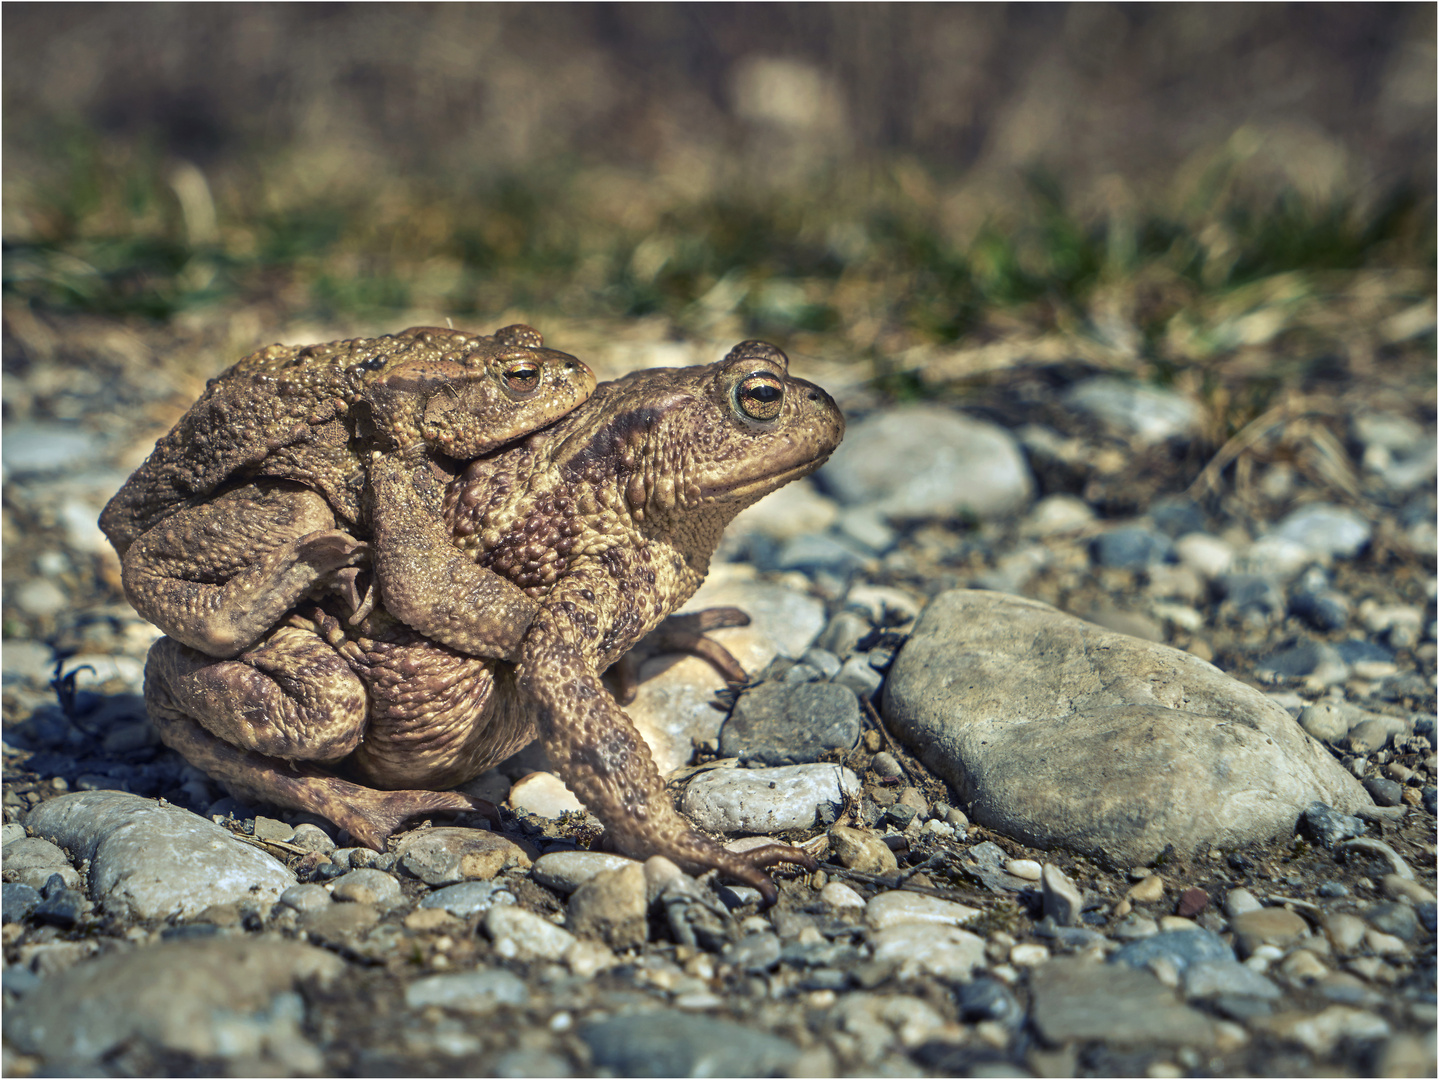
(869, 242)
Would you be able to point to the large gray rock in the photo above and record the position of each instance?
(1060, 733)
(150, 860)
(929, 461)
(214, 998)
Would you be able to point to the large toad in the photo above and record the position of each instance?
(608, 519)
(251, 502)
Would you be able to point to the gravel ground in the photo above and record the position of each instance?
(932, 941)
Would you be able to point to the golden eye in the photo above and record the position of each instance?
(523, 376)
(760, 396)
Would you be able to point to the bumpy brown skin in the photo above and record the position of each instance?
(258, 496)
(609, 518)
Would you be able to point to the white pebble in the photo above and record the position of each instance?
(1028, 955)
(839, 895)
(1027, 869)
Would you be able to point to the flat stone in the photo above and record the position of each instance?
(152, 861)
(1062, 899)
(897, 908)
(1226, 975)
(31, 860)
(1180, 948)
(340, 924)
(566, 871)
(767, 800)
(902, 463)
(20, 899)
(447, 855)
(468, 898)
(366, 886)
(303, 898)
(1079, 1000)
(928, 948)
(1037, 719)
(667, 1043)
(474, 992)
(187, 997)
(779, 723)
(1327, 531)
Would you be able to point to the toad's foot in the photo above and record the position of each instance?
(680, 634)
(369, 815)
(695, 852)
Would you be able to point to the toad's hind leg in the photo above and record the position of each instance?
(370, 816)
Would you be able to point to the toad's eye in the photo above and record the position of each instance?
(760, 396)
(523, 376)
(374, 363)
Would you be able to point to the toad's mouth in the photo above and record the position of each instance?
(762, 484)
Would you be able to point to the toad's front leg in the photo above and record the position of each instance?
(600, 755)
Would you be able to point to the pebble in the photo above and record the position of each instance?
(1179, 948)
(1385, 792)
(778, 723)
(866, 528)
(767, 800)
(1224, 975)
(340, 924)
(1345, 931)
(566, 871)
(1028, 955)
(945, 951)
(304, 898)
(836, 894)
(1062, 900)
(1303, 966)
(1191, 903)
(544, 794)
(1146, 414)
(1317, 662)
(523, 935)
(1326, 531)
(39, 447)
(1134, 927)
(468, 898)
(1206, 555)
(1240, 901)
(862, 850)
(18, 900)
(1131, 548)
(366, 886)
(151, 861)
(1328, 826)
(210, 998)
(1024, 740)
(1147, 890)
(312, 838)
(1320, 1033)
(1374, 733)
(1055, 514)
(31, 861)
(860, 676)
(1078, 1000)
(1402, 888)
(473, 992)
(1323, 609)
(897, 908)
(1326, 721)
(1027, 869)
(669, 1043)
(612, 906)
(1267, 926)
(1398, 919)
(446, 855)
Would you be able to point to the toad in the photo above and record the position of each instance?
(608, 519)
(258, 497)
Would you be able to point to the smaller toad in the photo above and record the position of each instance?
(259, 497)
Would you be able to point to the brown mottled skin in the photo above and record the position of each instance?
(608, 519)
(251, 502)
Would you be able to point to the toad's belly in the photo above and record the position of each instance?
(437, 717)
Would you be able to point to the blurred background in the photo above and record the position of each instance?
(879, 187)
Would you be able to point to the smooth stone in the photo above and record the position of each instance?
(928, 948)
(1327, 531)
(858, 675)
(1323, 609)
(668, 1043)
(1131, 548)
(1145, 414)
(794, 510)
(1384, 792)
(778, 723)
(897, 908)
(1179, 947)
(754, 954)
(1136, 927)
(1254, 600)
(544, 794)
(673, 708)
(566, 871)
(303, 898)
(1275, 557)
(767, 800)
(468, 898)
(1147, 890)
(1055, 514)
(1225, 975)
(523, 935)
(867, 529)
(190, 996)
(1267, 926)
(1191, 902)
(312, 838)
(31, 860)
(1401, 888)
(1326, 721)
(366, 886)
(1028, 955)
(340, 924)
(1027, 869)
(474, 992)
(862, 850)
(270, 829)
(1382, 944)
(446, 855)
(825, 553)
(902, 463)
(1079, 1000)
(839, 895)
(1035, 718)
(612, 906)
(1317, 662)
(1374, 733)
(1396, 919)
(1062, 899)
(1206, 555)
(152, 861)
(38, 447)
(823, 661)
(1321, 1032)
(18, 900)
(1328, 826)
